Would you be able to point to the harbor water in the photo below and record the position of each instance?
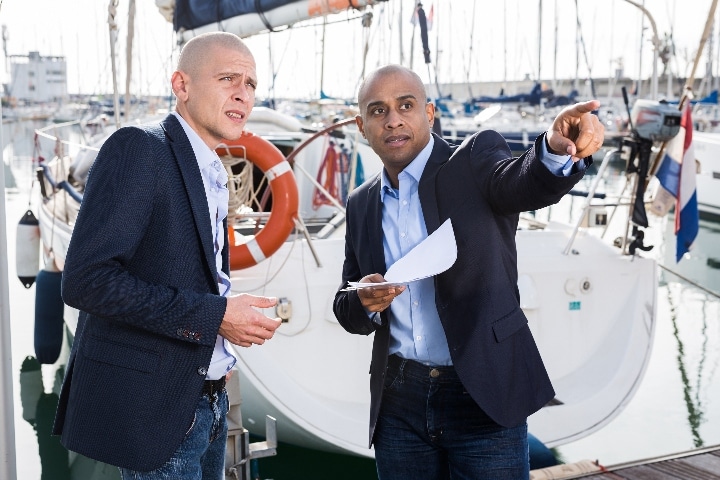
(676, 406)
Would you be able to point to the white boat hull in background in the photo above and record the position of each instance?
(707, 152)
(591, 314)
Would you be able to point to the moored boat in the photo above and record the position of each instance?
(707, 153)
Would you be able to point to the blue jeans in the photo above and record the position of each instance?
(201, 455)
(430, 428)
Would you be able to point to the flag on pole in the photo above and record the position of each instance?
(677, 174)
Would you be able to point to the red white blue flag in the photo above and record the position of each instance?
(677, 174)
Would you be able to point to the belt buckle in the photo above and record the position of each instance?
(212, 387)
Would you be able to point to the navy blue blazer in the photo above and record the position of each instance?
(141, 269)
(482, 189)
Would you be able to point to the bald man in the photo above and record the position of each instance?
(147, 267)
(455, 371)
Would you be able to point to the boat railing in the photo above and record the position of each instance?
(43, 132)
(588, 200)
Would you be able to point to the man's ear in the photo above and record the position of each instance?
(359, 122)
(179, 85)
(430, 111)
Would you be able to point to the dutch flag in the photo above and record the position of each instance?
(677, 181)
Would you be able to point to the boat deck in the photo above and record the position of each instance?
(699, 464)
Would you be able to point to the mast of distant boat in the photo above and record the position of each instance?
(7, 420)
(687, 90)
(112, 29)
(539, 74)
(128, 57)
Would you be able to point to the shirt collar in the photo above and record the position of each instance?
(203, 154)
(414, 169)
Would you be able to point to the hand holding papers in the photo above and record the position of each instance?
(432, 256)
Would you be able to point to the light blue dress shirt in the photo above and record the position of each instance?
(416, 332)
(215, 182)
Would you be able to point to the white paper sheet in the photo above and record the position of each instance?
(432, 256)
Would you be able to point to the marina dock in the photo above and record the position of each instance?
(698, 464)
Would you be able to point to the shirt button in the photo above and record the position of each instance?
(418, 338)
(202, 371)
(404, 202)
(402, 234)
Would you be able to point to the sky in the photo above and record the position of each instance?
(469, 41)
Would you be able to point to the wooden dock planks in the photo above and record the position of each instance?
(695, 465)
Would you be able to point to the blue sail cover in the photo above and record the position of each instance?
(191, 14)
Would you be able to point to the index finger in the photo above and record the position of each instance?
(582, 108)
(590, 137)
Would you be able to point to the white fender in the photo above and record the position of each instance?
(27, 249)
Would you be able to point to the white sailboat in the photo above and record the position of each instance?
(707, 153)
(590, 304)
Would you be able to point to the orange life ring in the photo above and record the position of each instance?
(272, 162)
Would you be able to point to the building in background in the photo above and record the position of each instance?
(35, 78)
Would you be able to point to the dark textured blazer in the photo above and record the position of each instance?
(141, 269)
(482, 189)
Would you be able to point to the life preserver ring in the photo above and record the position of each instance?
(272, 162)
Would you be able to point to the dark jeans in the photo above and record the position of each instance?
(430, 428)
(201, 456)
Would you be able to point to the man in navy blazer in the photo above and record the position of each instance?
(148, 268)
(455, 371)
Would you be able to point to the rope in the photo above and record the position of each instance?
(262, 16)
(240, 185)
(327, 177)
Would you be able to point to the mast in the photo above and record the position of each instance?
(687, 89)
(471, 57)
(670, 45)
(555, 49)
(128, 57)
(539, 40)
(8, 468)
(322, 60)
(576, 84)
(716, 82)
(584, 50)
(709, 65)
(412, 37)
(505, 52)
(706, 33)
(112, 29)
(400, 33)
(656, 48)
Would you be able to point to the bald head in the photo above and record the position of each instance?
(215, 84)
(376, 77)
(395, 116)
(195, 51)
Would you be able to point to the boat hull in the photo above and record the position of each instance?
(313, 376)
(707, 152)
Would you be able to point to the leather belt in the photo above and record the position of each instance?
(211, 387)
